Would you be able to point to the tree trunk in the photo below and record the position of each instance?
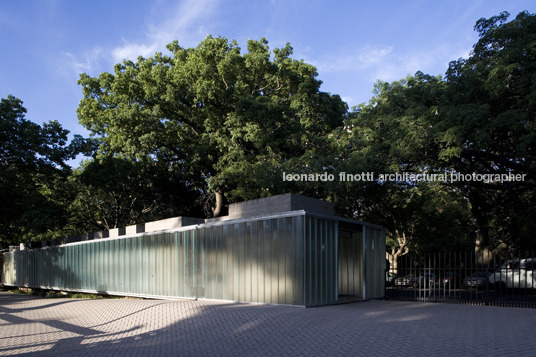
(399, 250)
(393, 262)
(484, 255)
(482, 236)
(482, 242)
(218, 205)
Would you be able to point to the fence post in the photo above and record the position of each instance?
(486, 281)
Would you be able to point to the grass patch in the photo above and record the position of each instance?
(85, 296)
(16, 291)
(63, 294)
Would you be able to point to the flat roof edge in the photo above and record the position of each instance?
(226, 222)
(347, 220)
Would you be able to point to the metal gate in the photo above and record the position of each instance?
(507, 279)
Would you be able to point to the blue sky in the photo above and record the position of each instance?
(46, 44)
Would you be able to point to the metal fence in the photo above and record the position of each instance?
(505, 279)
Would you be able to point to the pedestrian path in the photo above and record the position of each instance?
(128, 327)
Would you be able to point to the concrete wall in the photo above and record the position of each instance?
(172, 223)
(276, 204)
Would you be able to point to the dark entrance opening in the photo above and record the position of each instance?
(350, 262)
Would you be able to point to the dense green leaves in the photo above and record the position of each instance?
(493, 92)
(199, 125)
(32, 171)
(228, 120)
(114, 192)
(480, 119)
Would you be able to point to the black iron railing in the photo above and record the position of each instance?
(506, 279)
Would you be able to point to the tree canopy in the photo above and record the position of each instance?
(489, 126)
(478, 119)
(112, 192)
(197, 127)
(32, 168)
(226, 120)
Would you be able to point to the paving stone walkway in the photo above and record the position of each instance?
(120, 327)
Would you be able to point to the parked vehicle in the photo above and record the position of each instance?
(403, 280)
(450, 280)
(484, 278)
(476, 280)
(390, 278)
(515, 274)
(425, 280)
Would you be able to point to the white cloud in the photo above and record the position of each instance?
(86, 63)
(434, 61)
(372, 56)
(354, 61)
(352, 74)
(71, 64)
(133, 51)
(347, 99)
(185, 23)
(388, 63)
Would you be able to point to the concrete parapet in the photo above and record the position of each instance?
(171, 223)
(276, 204)
(279, 203)
(116, 232)
(101, 234)
(135, 229)
(86, 236)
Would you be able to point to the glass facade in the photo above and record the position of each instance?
(291, 258)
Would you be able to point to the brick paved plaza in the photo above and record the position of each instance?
(123, 327)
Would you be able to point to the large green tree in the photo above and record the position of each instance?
(478, 119)
(488, 125)
(227, 121)
(33, 170)
(111, 192)
(393, 134)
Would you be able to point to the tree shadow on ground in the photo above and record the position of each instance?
(207, 328)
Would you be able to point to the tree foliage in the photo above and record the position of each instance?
(227, 120)
(112, 192)
(32, 172)
(478, 119)
(489, 126)
(213, 123)
(393, 133)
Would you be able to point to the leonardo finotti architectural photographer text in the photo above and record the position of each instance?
(405, 177)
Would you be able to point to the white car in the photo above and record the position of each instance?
(516, 274)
